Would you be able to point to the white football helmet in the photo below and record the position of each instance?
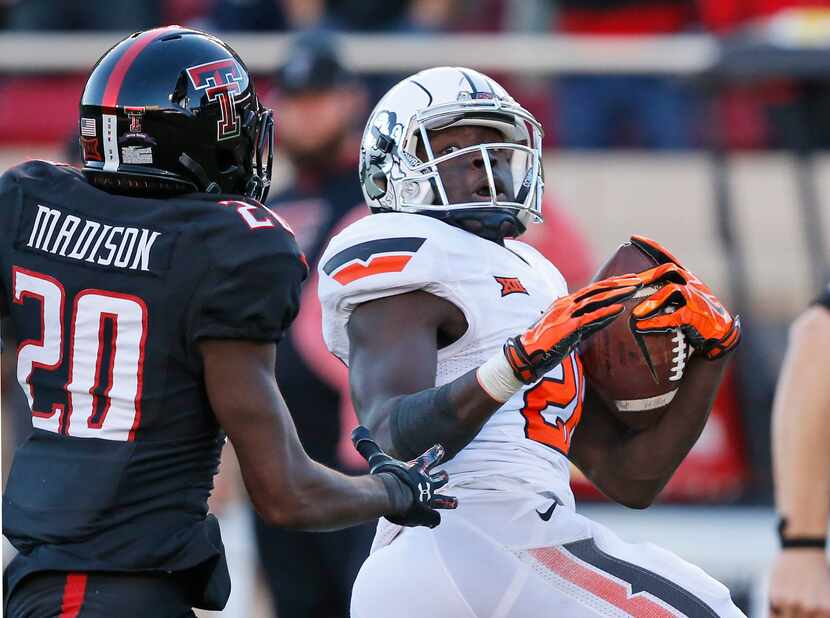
(395, 179)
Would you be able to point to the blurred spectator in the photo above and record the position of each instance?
(270, 15)
(338, 15)
(318, 108)
(386, 15)
(601, 111)
(120, 15)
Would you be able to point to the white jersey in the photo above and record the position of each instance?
(501, 291)
(510, 551)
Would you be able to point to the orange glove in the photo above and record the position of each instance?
(710, 328)
(565, 323)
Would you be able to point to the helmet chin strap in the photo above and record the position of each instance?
(488, 223)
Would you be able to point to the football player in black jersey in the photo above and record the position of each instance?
(148, 293)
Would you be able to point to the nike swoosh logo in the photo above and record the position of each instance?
(547, 514)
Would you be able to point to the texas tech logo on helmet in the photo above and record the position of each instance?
(220, 80)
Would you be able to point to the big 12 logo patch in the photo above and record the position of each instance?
(221, 80)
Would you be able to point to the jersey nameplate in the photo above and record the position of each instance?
(53, 231)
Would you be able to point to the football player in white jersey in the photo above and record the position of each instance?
(456, 334)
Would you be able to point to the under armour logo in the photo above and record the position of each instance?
(426, 492)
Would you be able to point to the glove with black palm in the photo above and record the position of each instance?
(414, 475)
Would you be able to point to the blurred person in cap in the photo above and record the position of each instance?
(321, 107)
(800, 579)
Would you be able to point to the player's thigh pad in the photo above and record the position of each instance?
(504, 561)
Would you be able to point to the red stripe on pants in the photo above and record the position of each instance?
(603, 586)
(73, 595)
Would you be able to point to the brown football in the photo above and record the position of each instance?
(636, 380)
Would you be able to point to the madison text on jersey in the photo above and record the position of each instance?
(60, 233)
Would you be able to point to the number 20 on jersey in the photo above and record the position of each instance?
(100, 401)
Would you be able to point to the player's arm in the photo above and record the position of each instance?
(393, 345)
(288, 488)
(800, 579)
(633, 466)
(246, 299)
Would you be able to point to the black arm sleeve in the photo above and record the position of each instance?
(423, 418)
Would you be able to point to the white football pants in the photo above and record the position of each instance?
(498, 558)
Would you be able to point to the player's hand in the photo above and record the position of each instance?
(565, 323)
(799, 585)
(695, 310)
(415, 476)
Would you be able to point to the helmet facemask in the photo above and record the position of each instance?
(422, 187)
(259, 182)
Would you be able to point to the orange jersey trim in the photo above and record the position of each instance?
(375, 266)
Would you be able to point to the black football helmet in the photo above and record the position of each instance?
(173, 110)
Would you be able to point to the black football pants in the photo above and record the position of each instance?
(54, 594)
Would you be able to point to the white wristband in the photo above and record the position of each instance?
(496, 377)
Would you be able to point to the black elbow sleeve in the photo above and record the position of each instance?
(421, 420)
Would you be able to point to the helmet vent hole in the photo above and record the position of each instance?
(171, 37)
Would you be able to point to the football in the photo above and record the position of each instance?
(637, 375)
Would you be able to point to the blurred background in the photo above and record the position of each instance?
(702, 123)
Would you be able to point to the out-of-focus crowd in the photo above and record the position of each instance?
(578, 111)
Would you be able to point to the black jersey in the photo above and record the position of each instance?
(109, 296)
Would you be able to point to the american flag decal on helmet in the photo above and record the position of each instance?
(386, 255)
(88, 127)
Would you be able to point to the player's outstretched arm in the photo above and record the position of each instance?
(393, 348)
(800, 578)
(288, 488)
